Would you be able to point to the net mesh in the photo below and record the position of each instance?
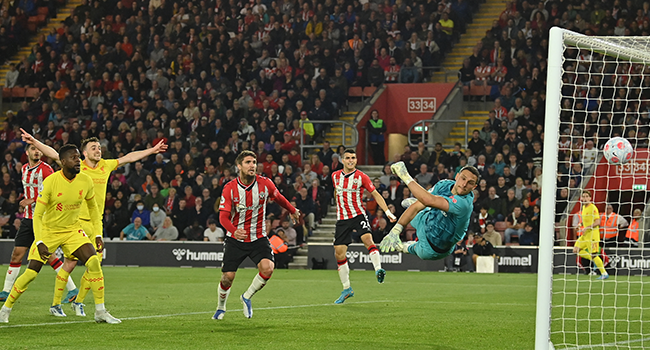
(605, 92)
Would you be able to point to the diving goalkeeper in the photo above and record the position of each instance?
(440, 216)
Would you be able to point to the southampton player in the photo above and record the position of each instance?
(242, 213)
(588, 245)
(99, 170)
(349, 184)
(57, 224)
(440, 216)
(33, 174)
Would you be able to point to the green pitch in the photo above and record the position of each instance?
(171, 308)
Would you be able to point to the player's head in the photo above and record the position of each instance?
(246, 163)
(33, 153)
(585, 197)
(466, 180)
(69, 157)
(349, 159)
(91, 149)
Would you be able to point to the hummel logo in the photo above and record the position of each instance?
(59, 195)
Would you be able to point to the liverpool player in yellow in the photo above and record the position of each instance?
(56, 224)
(587, 246)
(100, 171)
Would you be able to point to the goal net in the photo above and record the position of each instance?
(597, 88)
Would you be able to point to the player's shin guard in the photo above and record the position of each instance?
(10, 278)
(20, 286)
(258, 283)
(223, 297)
(96, 279)
(344, 273)
(84, 288)
(375, 257)
(59, 286)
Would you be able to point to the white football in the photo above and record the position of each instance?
(618, 151)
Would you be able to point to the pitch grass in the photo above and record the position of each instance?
(411, 310)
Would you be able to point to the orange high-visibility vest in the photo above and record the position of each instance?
(278, 245)
(609, 226)
(633, 231)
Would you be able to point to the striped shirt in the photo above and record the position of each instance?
(33, 184)
(247, 205)
(349, 192)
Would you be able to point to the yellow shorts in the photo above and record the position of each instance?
(592, 247)
(68, 241)
(90, 231)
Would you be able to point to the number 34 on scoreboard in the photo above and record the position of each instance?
(421, 105)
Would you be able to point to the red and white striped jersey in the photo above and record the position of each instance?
(349, 192)
(247, 205)
(33, 183)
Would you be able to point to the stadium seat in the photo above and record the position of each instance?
(7, 93)
(18, 92)
(354, 92)
(32, 93)
(43, 10)
(368, 91)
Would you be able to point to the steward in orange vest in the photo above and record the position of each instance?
(632, 234)
(610, 222)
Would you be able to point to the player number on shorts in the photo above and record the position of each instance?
(365, 225)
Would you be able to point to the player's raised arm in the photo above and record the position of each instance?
(47, 150)
(137, 155)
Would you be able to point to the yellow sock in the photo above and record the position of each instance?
(20, 286)
(84, 288)
(59, 286)
(601, 267)
(597, 260)
(96, 279)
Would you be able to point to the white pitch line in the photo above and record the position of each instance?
(609, 344)
(193, 313)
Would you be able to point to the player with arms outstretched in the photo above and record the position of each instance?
(57, 224)
(99, 170)
(33, 174)
(349, 184)
(440, 216)
(588, 245)
(242, 213)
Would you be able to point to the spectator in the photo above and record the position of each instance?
(194, 232)
(482, 247)
(141, 213)
(166, 232)
(377, 128)
(424, 176)
(156, 217)
(530, 236)
(154, 197)
(478, 222)
(135, 231)
(494, 204)
(306, 205)
(491, 235)
(457, 261)
(213, 233)
(515, 223)
(181, 216)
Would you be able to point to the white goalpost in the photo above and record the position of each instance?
(597, 88)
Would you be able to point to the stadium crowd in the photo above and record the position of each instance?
(214, 78)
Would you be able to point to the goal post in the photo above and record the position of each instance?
(588, 80)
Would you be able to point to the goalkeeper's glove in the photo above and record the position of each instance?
(391, 216)
(391, 242)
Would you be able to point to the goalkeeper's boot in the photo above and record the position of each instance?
(400, 170)
(345, 294)
(57, 311)
(78, 309)
(219, 314)
(408, 201)
(104, 316)
(380, 274)
(603, 277)
(72, 296)
(248, 306)
(4, 314)
(4, 295)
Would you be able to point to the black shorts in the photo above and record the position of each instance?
(235, 252)
(345, 228)
(25, 235)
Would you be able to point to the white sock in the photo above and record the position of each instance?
(100, 307)
(10, 278)
(70, 285)
(223, 297)
(258, 283)
(344, 274)
(376, 260)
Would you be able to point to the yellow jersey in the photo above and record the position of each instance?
(59, 203)
(589, 216)
(100, 175)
